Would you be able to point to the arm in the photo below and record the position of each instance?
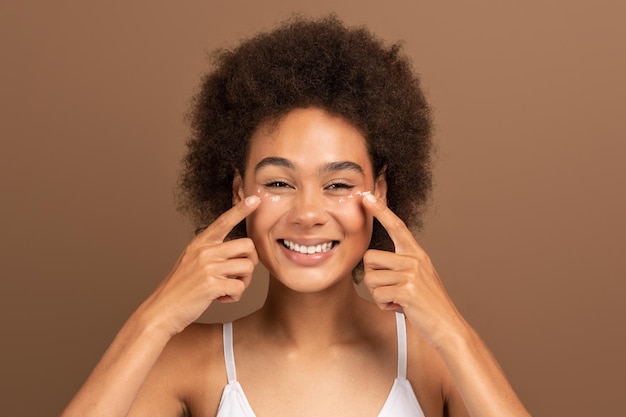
(114, 383)
(202, 274)
(406, 280)
(484, 389)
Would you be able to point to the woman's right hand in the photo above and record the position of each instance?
(208, 269)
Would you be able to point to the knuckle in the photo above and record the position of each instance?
(251, 265)
(375, 292)
(205, 256)
(241, 207)
(209, 279)
(247, 243)
(208, 271)
(399, 224)
(223, 221)
(410, 288)
(371, 256)
(238, 288)
(367, 280)
(209, 286)
(367, 257)
(413, 263)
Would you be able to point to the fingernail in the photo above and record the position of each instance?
(252, 200)
(370, 197)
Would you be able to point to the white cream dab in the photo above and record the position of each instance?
(350, 197)
(271, 197)
(276, 198)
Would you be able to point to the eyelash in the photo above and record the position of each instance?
(340, 186)
(332, 186)
(276, 184)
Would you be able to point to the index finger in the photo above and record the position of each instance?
(399, 233)
(221, 227)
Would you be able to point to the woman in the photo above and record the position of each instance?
(310, 153)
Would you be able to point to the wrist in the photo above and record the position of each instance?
(147, 325)
(455, 338)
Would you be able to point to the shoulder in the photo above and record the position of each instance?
(191, 368)
(429, 376)
(200, 340)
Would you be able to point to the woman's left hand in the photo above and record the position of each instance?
(405, 280)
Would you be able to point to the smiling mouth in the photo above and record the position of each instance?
(312, 249)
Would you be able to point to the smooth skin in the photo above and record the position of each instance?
(315, 348)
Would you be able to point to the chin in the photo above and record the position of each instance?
(309, 280)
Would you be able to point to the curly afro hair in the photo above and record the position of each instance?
(309, 63)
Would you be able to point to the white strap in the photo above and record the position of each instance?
(229, 355)
(402, 354)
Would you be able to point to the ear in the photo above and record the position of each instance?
(380, 185)
(238, 194)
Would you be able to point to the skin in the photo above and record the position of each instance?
(316, 347)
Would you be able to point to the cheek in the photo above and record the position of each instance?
(272, 205)
(353, 217)
(272, 208)
(351, 214)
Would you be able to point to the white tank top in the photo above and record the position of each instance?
(401, 401)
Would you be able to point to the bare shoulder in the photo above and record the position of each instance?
(426, 371)
(189, 376)
(431, 381)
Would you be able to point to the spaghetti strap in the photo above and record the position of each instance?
(229, 356)
(402, 349)
(401, 400)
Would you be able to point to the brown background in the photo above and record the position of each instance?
(526, 226)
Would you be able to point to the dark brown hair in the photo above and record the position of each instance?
(303, 63)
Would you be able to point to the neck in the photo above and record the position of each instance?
(320, 318)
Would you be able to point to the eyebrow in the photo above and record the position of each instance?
(342, 166)
(274, 161)
(329, 167)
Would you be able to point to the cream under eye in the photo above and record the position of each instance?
(268, 195)
(342, 196)
(334, 194)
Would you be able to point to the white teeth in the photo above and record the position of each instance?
(320, 248)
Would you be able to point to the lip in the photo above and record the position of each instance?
(307, 259)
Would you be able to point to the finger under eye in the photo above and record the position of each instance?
(219, 229)
(399, 233)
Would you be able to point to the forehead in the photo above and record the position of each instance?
(309, 137)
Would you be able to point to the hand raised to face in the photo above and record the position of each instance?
(405, 280)
(208, 269)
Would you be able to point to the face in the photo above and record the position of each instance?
(310, 170)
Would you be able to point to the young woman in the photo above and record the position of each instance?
(310, 154)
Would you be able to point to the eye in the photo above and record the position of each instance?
(339, 186)
(276, 184)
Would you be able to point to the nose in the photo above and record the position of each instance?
(308, 208)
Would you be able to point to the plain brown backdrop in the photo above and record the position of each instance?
(526, 225)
